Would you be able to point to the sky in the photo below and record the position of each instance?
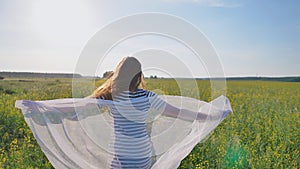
(250, 37)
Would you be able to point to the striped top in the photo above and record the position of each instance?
(131, 145)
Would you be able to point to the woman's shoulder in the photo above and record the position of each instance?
(148, 93)
(137, 93)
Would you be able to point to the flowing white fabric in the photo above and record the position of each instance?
(75, 132)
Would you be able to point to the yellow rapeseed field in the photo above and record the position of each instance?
(262, 132)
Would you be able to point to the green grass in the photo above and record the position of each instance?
(262, 132)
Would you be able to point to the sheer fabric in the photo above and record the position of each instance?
(76, 132)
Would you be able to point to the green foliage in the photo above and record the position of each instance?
(6, 91)
(262, 132)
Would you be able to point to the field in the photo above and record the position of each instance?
(262, 132)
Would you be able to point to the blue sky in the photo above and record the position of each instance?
(251, 37)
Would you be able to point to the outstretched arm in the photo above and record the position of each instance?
(184, 114)
(68, 109)
(65, 107)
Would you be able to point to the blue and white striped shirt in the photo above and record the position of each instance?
(131, 144)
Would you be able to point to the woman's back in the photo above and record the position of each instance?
(131, 145)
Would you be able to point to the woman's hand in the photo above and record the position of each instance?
(27, 103)
(225, 113)
(30, 105)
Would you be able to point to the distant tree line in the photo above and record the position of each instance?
(153, 77)
(39, 75)
(108, 74)
(281, 79)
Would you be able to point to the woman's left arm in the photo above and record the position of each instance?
(184, 114)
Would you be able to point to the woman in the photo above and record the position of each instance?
(130, 145)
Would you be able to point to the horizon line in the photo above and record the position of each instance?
(229, 76)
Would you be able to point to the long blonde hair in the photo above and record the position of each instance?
(127, 76)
